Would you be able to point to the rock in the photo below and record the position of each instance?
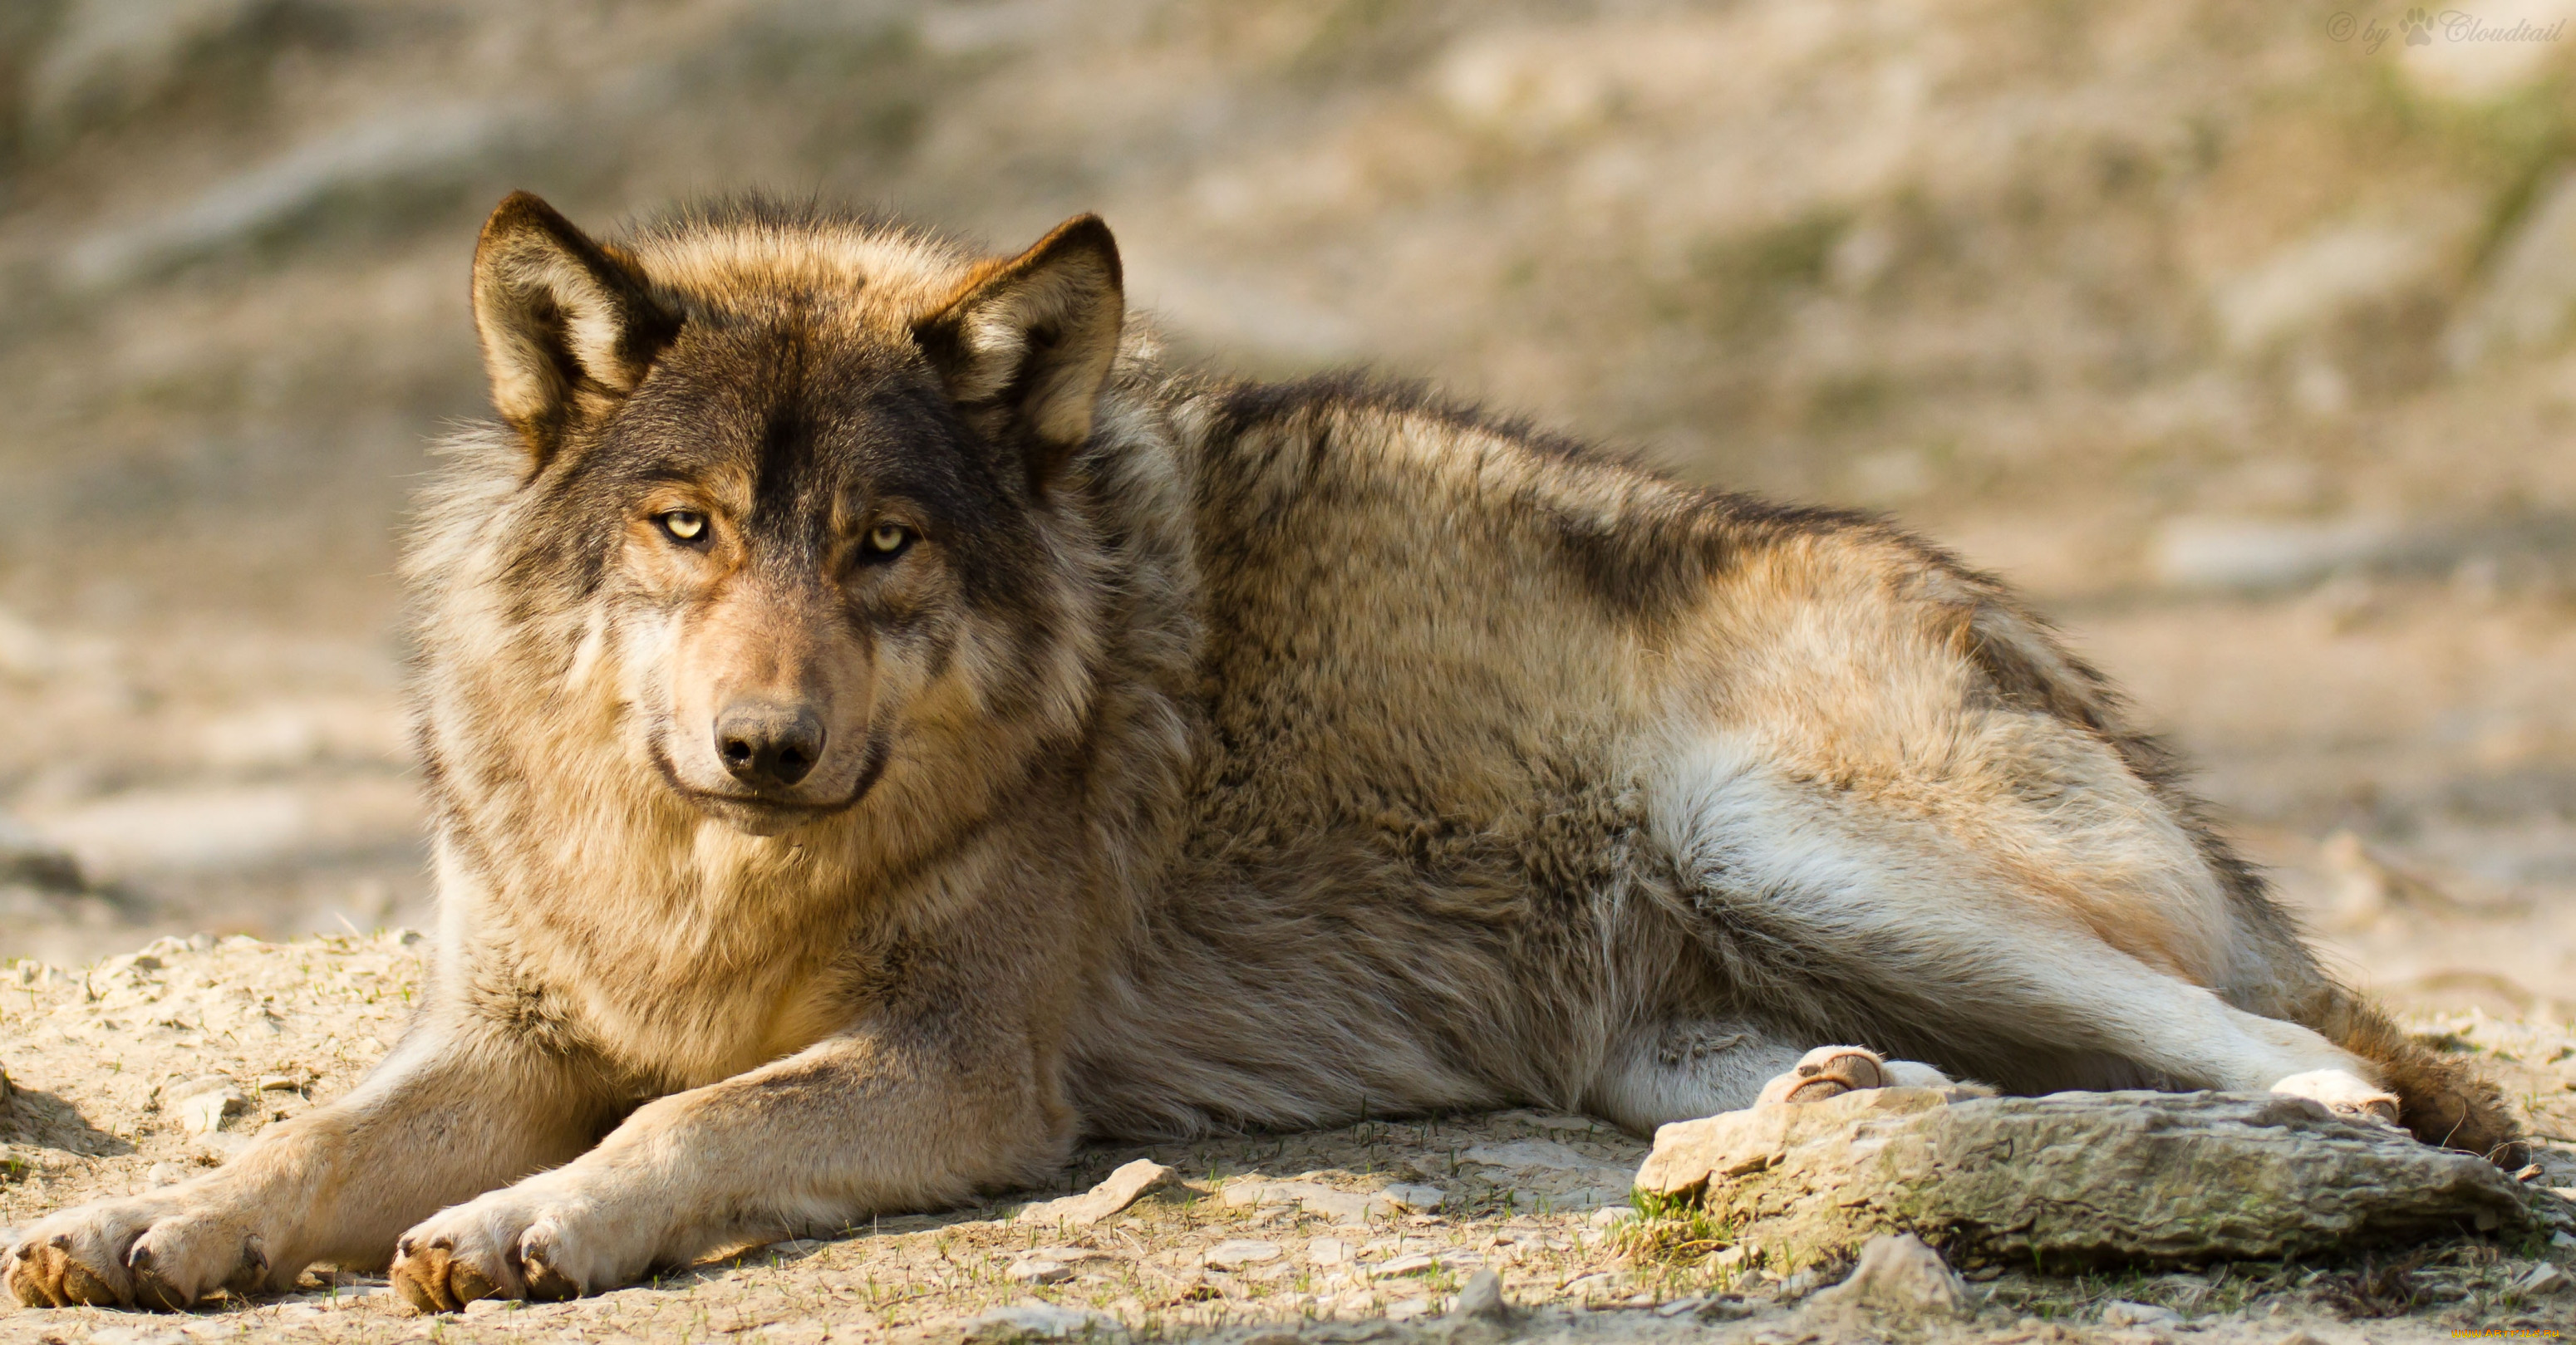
(1325, 1202)
(1236, 1253)
(28, 860)
(1522, 1155)
(2078, 1178)
(1411, 1263)
(1725, 1308)
(2122, 1312)
(1417, 1198)
(1038, 1270)
(1328, 1251)
(2543, 1279)
(2314, 281)
(1405, 1310)
(2220, 551)
(2530, 290)
(1482, 1298)
(485, 1307)
(1044, 1320)
(204, 1113)
(1119, 1190)
(1899, 1274)
(164, 1174)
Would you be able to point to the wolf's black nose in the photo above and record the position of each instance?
(768, 745)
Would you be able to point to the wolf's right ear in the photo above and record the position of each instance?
(566, 325)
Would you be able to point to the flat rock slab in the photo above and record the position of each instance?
(2080, 1178)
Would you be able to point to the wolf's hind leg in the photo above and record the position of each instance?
(2344, 1092)
(1831, 1071)
(1686, 1069)
(1882, 916)
(1682, 1070)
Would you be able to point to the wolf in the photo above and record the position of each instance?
(886, 724)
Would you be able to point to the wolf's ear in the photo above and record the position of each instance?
(1027, 343)
(565, 324)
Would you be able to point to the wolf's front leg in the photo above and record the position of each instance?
(870, 1122)
(454, 1111)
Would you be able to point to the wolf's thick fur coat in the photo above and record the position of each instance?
(884, 726)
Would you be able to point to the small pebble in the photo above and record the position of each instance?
(1411, 1263)
(1482, 1296)
(2121, 1312)
(1409, 1197)
(1238, 1252)
(1035, 1270)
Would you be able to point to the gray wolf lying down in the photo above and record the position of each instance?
(884, 727)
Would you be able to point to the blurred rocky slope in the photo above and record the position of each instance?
(2242, 344)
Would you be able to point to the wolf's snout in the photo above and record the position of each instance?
(768, 745)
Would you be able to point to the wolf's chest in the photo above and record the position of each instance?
(679, 1004)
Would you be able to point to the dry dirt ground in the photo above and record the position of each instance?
(105, 1059)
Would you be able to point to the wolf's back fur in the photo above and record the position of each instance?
(1103, 749)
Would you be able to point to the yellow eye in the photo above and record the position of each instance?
(889, 537)
(684, 525)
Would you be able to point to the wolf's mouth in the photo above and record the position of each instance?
(768, 815)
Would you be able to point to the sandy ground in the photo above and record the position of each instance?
(103, 1059)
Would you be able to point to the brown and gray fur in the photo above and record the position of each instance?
(1115, 752)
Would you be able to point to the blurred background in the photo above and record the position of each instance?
(2238, 334)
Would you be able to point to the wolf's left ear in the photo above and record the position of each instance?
(566, 326)
(1027, 344)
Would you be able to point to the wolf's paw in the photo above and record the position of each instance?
(2344, 1094)
(149, 1251)
(513, 1243)
(1827, 1072)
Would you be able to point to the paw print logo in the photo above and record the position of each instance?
(2419, 28)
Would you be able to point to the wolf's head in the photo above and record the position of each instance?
(790, 478)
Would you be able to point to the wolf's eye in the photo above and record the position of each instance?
(685, 526)
(888, 538)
